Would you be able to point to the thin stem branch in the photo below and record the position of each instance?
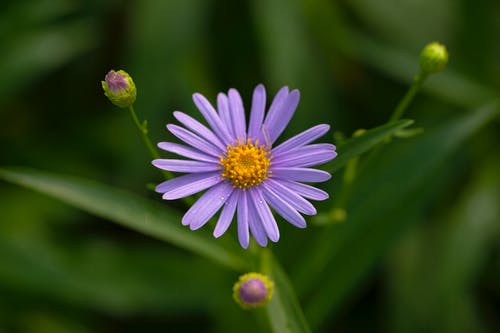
(418, 80)
(143, 132)
(351, 168)
(405, 102)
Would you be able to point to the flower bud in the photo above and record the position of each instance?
(338, 215)
(253, 290)
(119, 88)
(433, 58)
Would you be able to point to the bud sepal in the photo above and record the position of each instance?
(119, 88)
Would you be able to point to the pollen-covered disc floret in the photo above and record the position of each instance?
(247, 177)
(245, 164)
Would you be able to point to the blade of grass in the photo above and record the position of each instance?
(452, 249)
(377, 212)
(356, 146)
(127, 209)
(284, 311)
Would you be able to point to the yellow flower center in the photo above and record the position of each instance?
(245, 164)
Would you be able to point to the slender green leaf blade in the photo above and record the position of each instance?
(122, 279)
(452, 248)
(332, 261)
(359, 145)
(127, 209)
(284, 311)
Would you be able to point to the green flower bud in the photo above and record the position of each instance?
(253, 290)
(119, 88)
(433, 58)
(338, 215)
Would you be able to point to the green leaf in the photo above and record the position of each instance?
(453, 249)
(128, 209)
(356, 146)
(284, 311)
(381, 206)
(120, 276)
(121, 279)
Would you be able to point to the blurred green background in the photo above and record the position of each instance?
(420, 249)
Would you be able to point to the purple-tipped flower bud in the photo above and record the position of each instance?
(119, 88)
(433, 58)
(253, 290)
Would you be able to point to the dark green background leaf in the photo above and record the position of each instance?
(132, 211)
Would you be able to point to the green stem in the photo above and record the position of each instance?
(143, 131)
(352, 166)
(418, 80)
(265, 260)
(265, 267)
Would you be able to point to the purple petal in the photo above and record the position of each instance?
(188, 152)
(243, 234)
(307, 156)
(301, 174)
(255, 223)
(237, 113)
(257, 112)
(212, 118)
(282, 208)
(278, 118)
(207, 205)
(307, 191)
(290, 197)
(265, 214)
(184, 165)
(301, 139)
(227, 214)
(224, 114)
(194, 140)
(183, 186)
(275, 105)
(198, 128)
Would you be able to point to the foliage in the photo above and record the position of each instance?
(417, 251)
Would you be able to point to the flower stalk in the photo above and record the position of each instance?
(433, 59)
(405, 102)
(120, 89)
(143, 131)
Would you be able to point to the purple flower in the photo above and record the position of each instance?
(243, 172)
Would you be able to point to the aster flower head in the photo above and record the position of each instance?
(253, 290)
(244, 173)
